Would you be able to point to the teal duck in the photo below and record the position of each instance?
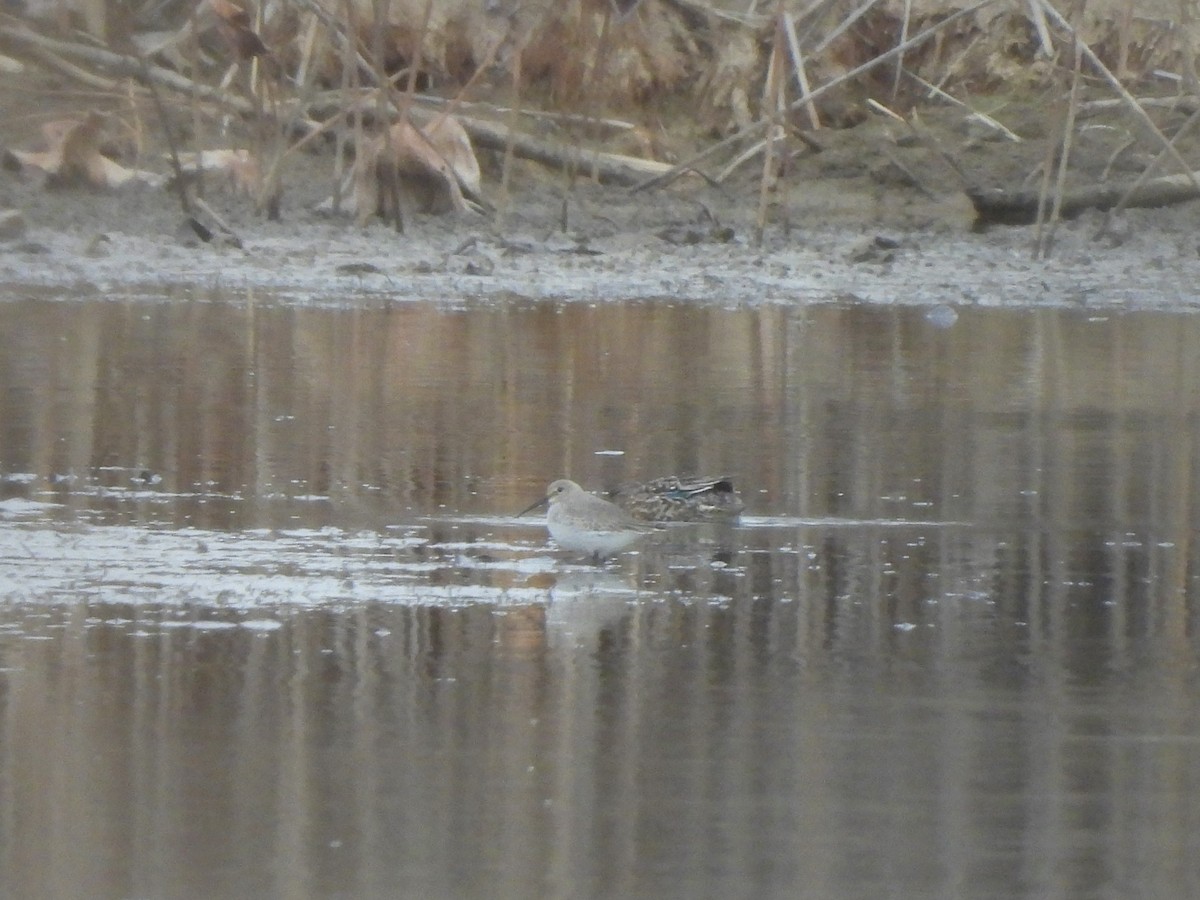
(680, 499)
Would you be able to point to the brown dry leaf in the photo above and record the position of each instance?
(240, 165)
(73, 156)
(49, 161)
(434, 163)
(234, 24)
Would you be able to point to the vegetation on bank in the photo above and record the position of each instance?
(632, 92)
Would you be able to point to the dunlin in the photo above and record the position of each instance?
(675, 499)
(584, 523)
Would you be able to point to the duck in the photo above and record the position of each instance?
(674, 498)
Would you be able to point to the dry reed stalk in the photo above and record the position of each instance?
(308, 49)
(72, 71)
(934, 148)
(761, 124)
(387, 176)
(748, 19)
(599, 62)
(609, 168)
(191, 54)
(773, 101)
(426, 156)
(608, 123)
(128, 65)
(895, 160)
(738, 161)
(187, 203)
(1187, 51)
(950, 65)
(433, 161)
(982, 118)
(348, 88)
(222, 226)
(812, 14)
(448, 108)
(390, 174)
(1047, 166)
(1064, 160)
(272, 178)
(506, 167)
(1124, 33)
(594, 70)
(1140, 113)
(570, 172)
(275, 135)
(414, 64)
(1174, 102)
(1038, 18)
(343, 26)
(900, 59)
(1122, 204)
(789, 22)
(1046, 226)
(95, 19)
(138, 128)
(844, 26)
(883, 110)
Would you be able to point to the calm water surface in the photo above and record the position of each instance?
(268, 625)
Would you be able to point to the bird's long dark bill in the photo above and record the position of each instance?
(541, 502)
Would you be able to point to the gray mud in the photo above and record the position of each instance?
(872, 217)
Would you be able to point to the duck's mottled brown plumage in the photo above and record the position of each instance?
(680, 499)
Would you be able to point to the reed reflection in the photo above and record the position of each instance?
(955, 628)
(153, 750)
(414, 409)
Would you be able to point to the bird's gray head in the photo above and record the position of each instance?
(559, 489)
(555, 492)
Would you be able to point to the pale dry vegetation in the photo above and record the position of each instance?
(403, 93)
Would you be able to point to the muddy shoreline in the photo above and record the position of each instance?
(335, 264)
(869, 219)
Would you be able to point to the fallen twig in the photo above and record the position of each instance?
(125, 66)
(996, 206)
(608, 168)
(66, 67)
(1182, 102)
(223, 227)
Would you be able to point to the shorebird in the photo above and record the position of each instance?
(584, 523)
(675, 499)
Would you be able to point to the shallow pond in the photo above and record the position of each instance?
(270, 627)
